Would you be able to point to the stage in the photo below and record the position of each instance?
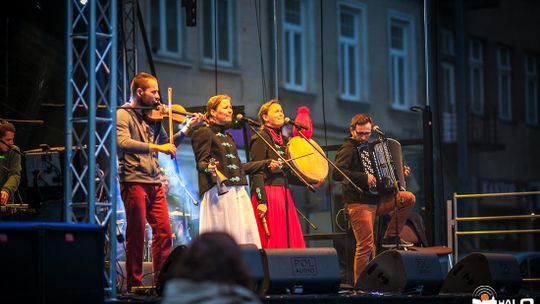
(350, 297)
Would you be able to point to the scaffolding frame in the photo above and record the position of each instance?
(91, 101)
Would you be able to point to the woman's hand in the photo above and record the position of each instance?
(275, 164)
(212, 167)
(319, 183)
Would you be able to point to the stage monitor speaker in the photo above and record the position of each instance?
(253, 259)
(301, 271)
(402, 271)
(52, 263)
(500, 271)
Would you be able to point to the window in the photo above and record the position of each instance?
(449, 102)
(294, 44)
(218, 32)
(531, 90)
(476, 76)
(504, 82)
(402, 61)
(352, 52)
(447, 42)
(167, 28)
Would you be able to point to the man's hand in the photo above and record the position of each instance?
(371, 180)
(406, 170)
(4, 197)
(164, 148)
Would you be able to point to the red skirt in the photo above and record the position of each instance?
(276, 220)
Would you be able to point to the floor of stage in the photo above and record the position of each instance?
(345, 297)
(327, 299)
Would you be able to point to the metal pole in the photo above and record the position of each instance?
(113, 170)
(455, 230)
(68, 199)
(91, 198)
(427, 121)
(276, 96)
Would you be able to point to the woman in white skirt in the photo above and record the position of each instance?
(217, 159)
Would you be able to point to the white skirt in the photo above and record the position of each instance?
(232, 213)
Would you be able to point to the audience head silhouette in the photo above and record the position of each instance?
(214, 256)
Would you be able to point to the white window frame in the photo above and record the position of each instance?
(359, 44)
(288, 32)
(408, 54)
(162, 31)
(476, 64)
(230, 34)
(531, 88)
(504, 70)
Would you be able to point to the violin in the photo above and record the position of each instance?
(179, 114)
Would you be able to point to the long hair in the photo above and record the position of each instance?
(213, 103)
(215, 257)
(263, 110)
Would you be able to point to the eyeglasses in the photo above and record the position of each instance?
(363, 133)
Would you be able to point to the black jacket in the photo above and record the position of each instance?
(348, 161)
(214, 142)
(266, 177)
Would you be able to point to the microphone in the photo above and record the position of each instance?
(250, 121)
(297, 125)
(377, 129)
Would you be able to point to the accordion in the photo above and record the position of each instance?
(384, 160)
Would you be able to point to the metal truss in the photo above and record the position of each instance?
(90, 173)
(127, 59)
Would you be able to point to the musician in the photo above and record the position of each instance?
(10, 163)
(362, 207)
(230, 212)
(271, 196)
(139, 142)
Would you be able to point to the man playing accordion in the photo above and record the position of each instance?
(362, 206)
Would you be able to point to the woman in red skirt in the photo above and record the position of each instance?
(270, 194)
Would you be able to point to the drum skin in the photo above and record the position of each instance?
(313, 167)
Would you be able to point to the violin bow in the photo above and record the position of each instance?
(171, 139)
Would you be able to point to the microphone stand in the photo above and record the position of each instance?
(383, 140)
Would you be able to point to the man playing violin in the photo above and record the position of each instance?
(139, 140)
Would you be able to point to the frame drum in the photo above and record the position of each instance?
(312, 167)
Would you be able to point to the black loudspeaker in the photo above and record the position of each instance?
(301, 271)
(52, 263)
(402, 271)
(253, 259)
(172, 261)
(500, 271)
